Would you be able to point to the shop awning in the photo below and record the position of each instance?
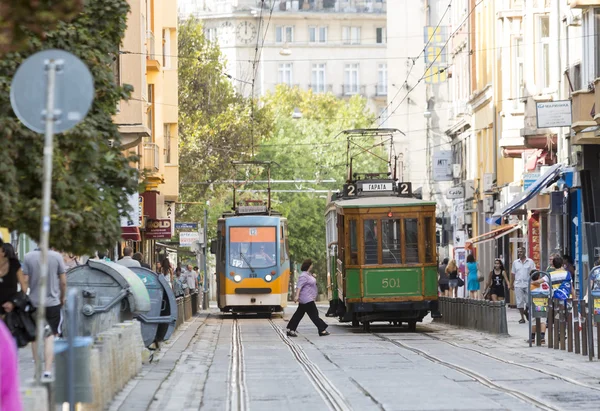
(131, 233)
(538, 185)
(494, 234)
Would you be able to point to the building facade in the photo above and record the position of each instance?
(148, 120)
(418, 102)
(327, 46)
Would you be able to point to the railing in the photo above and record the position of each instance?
(150, 157)
(150, 46)
(351, 89)
(481, 315)
(381, 90)
(320, 88)
(344, 6)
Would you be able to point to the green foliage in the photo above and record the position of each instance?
(91, 180)
(21, 18)
(215, 126)
(312, 148)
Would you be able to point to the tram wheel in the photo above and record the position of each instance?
(412, 326)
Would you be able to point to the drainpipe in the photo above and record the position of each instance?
(559, 140)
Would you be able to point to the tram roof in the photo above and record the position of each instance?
(380, 201)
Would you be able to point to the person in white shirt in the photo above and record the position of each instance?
(188, 277)
(519, 280)
(127, 260)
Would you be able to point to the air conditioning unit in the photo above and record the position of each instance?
(111, 142)
(456, 170)
(488, 205)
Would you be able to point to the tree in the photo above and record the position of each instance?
(312, 148)
(19, 19)
(216, 125)
(91, 179)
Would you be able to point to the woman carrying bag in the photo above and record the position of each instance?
(473, 277)
(306, 294)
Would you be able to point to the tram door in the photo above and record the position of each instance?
(220, 262)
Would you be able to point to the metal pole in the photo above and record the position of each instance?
(71, 304)
(45, 221)
(205, 303)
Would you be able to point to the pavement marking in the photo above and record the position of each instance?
(476, 376)
(552, 374)
(238, 393)
(331, 395)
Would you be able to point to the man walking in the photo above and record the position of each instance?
(189, 278)
(55, 296)
(127, 260)
(139, 257)
(519, 280)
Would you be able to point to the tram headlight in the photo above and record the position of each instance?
(237, 278)
(268, 277)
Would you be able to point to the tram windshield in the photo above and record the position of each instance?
(252, 247)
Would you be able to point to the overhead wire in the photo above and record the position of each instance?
(431, 64)
(405, 83)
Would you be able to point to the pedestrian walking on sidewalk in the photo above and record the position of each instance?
(443, 281)
(306, 294)
(452, 272)
(519, 280)
(56, 293)
(139, 257)
(473, 277)
(10, 276)
(497, 280)
(10, 395)
(127, 260)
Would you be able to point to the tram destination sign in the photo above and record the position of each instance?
(378, 186)
(252, 209)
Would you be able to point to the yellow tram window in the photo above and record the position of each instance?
(370, 237)
(411, 240)
(429, 239)
(390, 236)
(353, 243)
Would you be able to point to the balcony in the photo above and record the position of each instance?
(352, 89)
(583, 4)
(340, 6)
(150, 165)
(583, 106)
(152, 62)
(321, 88)
(381, 90)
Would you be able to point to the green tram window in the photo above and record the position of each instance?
(390, 236)
(429, 239)
(353, 242)
(371, 243)
(411, 240)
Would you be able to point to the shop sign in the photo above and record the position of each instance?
(455, 192)
(553, 114)
(170, 206)
(533, 234)
(529, 179)
(141, 211)
(158, 229)
(132, 218)
(183, 226)
(186, 239)
(442, 165)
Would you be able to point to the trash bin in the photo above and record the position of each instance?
(109, 294)
(157, 324)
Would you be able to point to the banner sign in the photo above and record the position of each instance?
(442, 165)
(158, 229)
(533, 233)
(183, 226)
(133, 216)
(186, 239)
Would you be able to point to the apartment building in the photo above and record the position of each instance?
(328, 46)
(148, 120)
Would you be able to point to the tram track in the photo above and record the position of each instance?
(237, 390)
(472, 374)
(510, 362)
(331, 395)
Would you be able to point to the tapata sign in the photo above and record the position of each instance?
(455, 192)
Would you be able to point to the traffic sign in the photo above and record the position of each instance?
(73, 94)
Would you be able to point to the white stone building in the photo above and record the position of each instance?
(332, 46)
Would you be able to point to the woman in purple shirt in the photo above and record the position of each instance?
(306, 294)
